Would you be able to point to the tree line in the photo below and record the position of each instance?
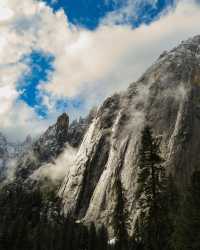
(167, 220)
(30, 222)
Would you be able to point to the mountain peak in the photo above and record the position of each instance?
(192, 40)
(28, 140)
(63, 120)
(166, 98)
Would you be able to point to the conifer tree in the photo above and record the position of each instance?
(152, 186)
(120, 212)
(187, 231)
(102, 239)
(92, 237)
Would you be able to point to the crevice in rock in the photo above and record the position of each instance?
(92, 174)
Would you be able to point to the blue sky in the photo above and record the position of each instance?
(87, 14)
(40, 67)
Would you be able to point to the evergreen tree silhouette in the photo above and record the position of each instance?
(152, 190)
(187, 230)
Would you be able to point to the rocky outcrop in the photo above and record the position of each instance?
(45, 149)
(3, 154)
(9, 153)
(52, 143)
(78, 128)
(166, 97)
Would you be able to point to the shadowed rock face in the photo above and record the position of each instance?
(3, 155)
(167, 97)
(45, 149)
(77, 129)
(52, 143)
(9, 152)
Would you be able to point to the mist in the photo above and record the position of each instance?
(57, 170)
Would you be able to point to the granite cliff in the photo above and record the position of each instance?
(167, 98)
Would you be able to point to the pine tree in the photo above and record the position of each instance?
(171, 200)
(120, 217)
(120, 212)
(152, 186)
(102, 239)
(187, 232)
(92, 237)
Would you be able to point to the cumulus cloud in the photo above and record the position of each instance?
(88, 64)
(112, 56)
(21, 120)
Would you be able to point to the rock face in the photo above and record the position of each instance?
(45, 149)
(9, 152)
(166, 97)
(3, 154)
(51, 144)
(77, 129)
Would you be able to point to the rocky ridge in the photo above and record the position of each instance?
(167, 98)
(51, 144)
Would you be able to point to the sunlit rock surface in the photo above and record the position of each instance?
(166, 97)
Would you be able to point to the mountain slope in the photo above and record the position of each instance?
(167, 98)
(9, 153)
(3, 154)
(45, 149)
(51, 144)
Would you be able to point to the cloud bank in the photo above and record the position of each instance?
(89, 65)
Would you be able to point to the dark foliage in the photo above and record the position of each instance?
(186, 234)
(152, 227)
(120, 218)
(31, 219)
(30, 222)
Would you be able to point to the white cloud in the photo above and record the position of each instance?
(20, 120)
(5, 12)
(7, 94)
(130, 10)
(89, 64)
(108, 59)
(57, 171)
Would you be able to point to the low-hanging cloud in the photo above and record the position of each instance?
(56, 171)
(88, 64)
